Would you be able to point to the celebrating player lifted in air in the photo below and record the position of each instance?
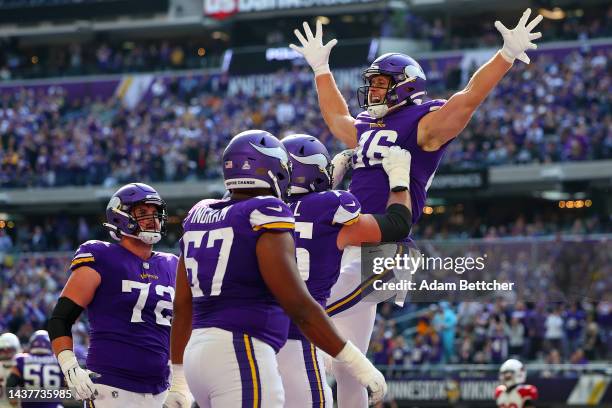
(395, 114)
(326, 221)
(238, 286)
(127, 289)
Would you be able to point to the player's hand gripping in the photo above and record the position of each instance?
(397, 166)
(362, 369)
(341, 162)
(76, 377)
(313, 50)
(518, 40)
(179, 395)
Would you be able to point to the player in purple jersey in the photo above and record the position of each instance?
(396, 115)
(36, 370)
(127, 289)
(238, 286)
(326, 221)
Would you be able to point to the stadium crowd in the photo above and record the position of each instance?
(491, 332)
(101, 56)
(48, 140)
(460, 332)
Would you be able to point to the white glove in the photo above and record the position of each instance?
(518, 40)
(341, 162)
(179, 395)
(362, 369)
(76, 378)
(397, 166)
(316, 54)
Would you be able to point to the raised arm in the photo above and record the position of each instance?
(440, 126)
(331, 102)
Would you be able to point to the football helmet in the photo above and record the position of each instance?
(311, 167)
(121, 222)
(40, 343)
(512, 372)
(407, 84)
(9, 346)
(256, 159)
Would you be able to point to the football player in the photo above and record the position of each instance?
(513, 392)
(395, 113)
(9, 348)
(37, 369)
(238, 286)
(326, 221)
(127, 289)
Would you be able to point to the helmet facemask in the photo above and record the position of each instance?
(133, 221)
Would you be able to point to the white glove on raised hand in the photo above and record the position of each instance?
(362, 369)
(341, 162)
(76, 377)
(316, 54)
(178, 395)
(397, 166)
(518, 40)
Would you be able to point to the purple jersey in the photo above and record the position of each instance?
(129, 316)
(370, 183)
(39, 372)
(319, 217)
(227, 288)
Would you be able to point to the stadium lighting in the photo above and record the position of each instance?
(201, 52)
(588, 203)
(555, 14)
(561, 204)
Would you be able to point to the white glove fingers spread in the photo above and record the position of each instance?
(534, 22)
(524, 17)
(524, 57)
(503, 30)
(534, 36)
(300, 37)
(307, 30)
(331, 44)
(319, 31)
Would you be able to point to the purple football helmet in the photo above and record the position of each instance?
(40, 343)
(311, 168)
(121, 222)
(256, 159)
(407, 85)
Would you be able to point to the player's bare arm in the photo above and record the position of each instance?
(181, 319)
(442, 125)
(76, 296)
(276, 259)
(178, 394)
(275, 255)
(333, 106)
(395, 224)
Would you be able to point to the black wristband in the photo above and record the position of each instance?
(63, 317)
(395, 224)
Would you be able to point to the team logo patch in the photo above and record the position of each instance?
(246, 165)
(229, 164)
(115, 394)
